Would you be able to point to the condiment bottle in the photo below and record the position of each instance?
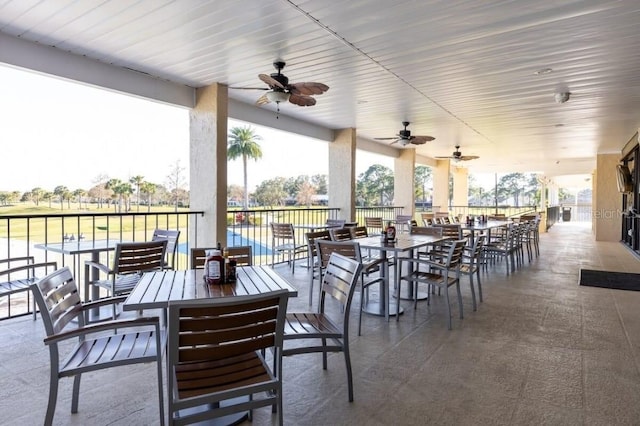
(391, 233)
(231, 271)
(214, 267)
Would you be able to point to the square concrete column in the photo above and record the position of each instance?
(441, 186)
(404, 168)
(342, 173)
(208, 164)
(460, 186)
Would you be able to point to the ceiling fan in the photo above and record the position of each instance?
(404, 137)
(457, 156)
(280, 90)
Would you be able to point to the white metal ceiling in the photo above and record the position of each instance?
(462, 71)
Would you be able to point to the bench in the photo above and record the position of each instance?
(19, 274)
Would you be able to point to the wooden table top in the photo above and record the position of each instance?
(156, 289)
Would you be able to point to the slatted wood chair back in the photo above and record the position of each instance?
(359, 232)
(453, 231)
(435, 231)
(349, 249)
(282, 232)
(428, 222)
(374, 224)
(198, 256)
(340, 234)
(339, 281)
(243, 255)
(132, 258)
(172, 237)
(215, 349)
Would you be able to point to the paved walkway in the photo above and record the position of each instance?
(539, 350)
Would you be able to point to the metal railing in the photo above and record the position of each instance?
(20, 234)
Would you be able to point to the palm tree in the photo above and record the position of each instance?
(242, 143)
(137, 181)
(149, 189)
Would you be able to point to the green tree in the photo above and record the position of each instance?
(375, 185)
(137, 181)
(62, 192)
(320, 183)
(78, 194)
(422, 179)
(148, 189)
(242, 144)
(271, 192)
(36, 195)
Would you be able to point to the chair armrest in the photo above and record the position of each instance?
(29, 266)
(103, 326)
(102, 302)
(428, 263)
(90, 264)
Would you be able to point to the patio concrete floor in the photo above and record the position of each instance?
(539, 350)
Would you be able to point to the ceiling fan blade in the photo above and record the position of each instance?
(444, 157)
(302, 100)
(468, 157)
(308, 88)
(395, 141)
(419, 140)
(386, 139)
(272, 82)
(262, 100)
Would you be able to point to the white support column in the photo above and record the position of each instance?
(441, 186)
(404, 176)
(342, 173)
(208, 161)
(460, 186)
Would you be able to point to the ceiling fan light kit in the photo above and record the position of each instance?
(277, 96)
(280, 90)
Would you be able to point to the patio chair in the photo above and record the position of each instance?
(20, 273)
(403, 222)
(374, 225)
(335, 223)
(312, 255)
(172, 245)
(319, 331)
(351, 250)
(215, 356)
(90, 347)
(283, 240)
(471, 262)
(241, 254)
(198, 256)
(129, 261)
(437, 273)
(340, 234)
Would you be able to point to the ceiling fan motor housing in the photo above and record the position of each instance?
(404, 134)
(280, 78)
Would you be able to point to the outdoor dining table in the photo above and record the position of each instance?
(405, 243)
(156, 289)
(483, 227)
